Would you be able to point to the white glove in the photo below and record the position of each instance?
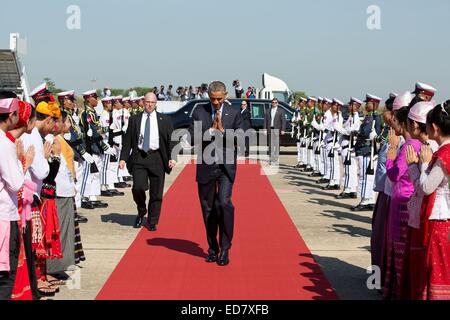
(110, 151)
(89, 159)
(67, 136)
(124, 129)
(90, 133)
(336, 146)
(373, 135)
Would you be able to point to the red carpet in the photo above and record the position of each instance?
(269, 260)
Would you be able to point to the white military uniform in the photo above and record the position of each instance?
(350, 178)
(332, 146)
(108, 175)
(121, 118)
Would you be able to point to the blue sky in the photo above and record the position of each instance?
(322, 47)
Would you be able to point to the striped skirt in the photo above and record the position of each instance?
(79, 253)
(396, 284)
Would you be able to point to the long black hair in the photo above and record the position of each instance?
(440, 116)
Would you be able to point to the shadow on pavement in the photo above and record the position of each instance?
(351, 230)
(343, 215)
(331, 203)
(349, 281)
(183, 246)
(121, 219)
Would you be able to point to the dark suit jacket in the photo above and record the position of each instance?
(279, 122)
(246, 119)
(231, 119)
(130, 140)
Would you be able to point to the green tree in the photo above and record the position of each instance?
(52, 86)
(298, 95)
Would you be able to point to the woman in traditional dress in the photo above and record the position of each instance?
(49, 246)
(417, 119)
(65, 192)
(378, 237)
(433, 271)
(24, 282)
(402, 190)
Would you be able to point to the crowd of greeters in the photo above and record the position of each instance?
(402, 155)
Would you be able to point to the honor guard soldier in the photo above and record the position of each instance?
(423, 93)
(121, 118)
(95, 146)
(141, 104)
(332, 146)
(323, 127)
(308, 132)
(315, 134)
(110, 162)
(75, 138)
(296, 130)
(366, 150)
(134, 106)
(349, 132)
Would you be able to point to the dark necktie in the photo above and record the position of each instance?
(146, 145)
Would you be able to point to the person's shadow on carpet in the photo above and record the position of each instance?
(183, 246)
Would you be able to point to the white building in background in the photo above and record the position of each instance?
(12, 74)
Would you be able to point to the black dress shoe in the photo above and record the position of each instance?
(121, 185)
(323, 181)
(81, 219)
(99, 204)
(308, 170)
(125, 185)
(223, 258)
(211, 258)
(152, 227)
(328, 187)
(365, 207)
(87, 205)
(345, 195)
(138, 222)
(315, 175)
(116, 192)
(107, 193)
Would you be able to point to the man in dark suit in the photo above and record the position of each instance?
(216, 168)
(148, 139)
(275, 124)
(246, 125)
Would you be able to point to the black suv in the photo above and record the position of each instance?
(182, 118)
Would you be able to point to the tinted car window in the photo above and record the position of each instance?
(195, 106)
(257, 110)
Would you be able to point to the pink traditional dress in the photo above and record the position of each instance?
(395, 286)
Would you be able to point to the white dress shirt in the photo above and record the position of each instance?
(39, 169)
(154, 132)
(11, 179)
(273, 112)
